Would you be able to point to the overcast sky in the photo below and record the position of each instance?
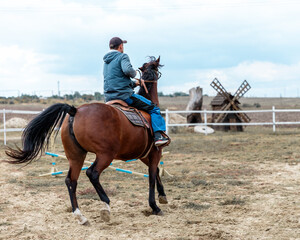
(43, 42)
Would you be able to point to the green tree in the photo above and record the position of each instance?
(77, 95)
(98, 96)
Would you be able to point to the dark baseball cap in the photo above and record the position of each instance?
(116, 41)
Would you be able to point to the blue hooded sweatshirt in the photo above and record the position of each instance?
(117, 72)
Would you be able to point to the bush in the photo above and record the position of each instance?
(257, 105)
(178, 94)
(246, 105)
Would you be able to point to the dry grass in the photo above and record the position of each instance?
(236, 191)
(225, 186)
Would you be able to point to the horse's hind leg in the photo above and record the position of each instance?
(75, 162)
(160, 188)
(162, 198)
(93, 172)
(154, 157)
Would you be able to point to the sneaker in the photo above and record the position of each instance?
(160, 139)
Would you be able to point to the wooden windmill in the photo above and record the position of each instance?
(224, 101)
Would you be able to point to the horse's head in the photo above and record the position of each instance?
(150, 73)
(150, 70)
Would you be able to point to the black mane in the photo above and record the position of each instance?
(150, 72)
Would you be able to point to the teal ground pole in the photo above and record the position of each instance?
(54, 171)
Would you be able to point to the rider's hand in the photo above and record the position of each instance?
(140, 82)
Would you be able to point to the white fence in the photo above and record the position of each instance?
(5, 130)
(168, 125)
(205, 123)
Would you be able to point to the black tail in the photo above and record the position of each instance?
(37, 133)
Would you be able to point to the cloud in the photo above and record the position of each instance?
(26, 71)
(267, 79)
(64, 40)
(17, 64)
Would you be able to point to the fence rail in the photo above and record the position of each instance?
(205, 124)
(167, 117)
(6, 111)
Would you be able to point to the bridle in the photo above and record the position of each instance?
(142, 83)
(139, 79)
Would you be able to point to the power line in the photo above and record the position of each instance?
(152, 7)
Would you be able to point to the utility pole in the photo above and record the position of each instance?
(58, 89)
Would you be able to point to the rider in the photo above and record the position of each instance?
(118, 85)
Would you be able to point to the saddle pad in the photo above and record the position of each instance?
(133, 116)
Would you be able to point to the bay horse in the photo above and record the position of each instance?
(101, 129)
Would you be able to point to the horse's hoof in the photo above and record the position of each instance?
(80, 218)
(162, 199)
(160, 213)
(105, 213)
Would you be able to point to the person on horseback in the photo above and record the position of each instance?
(118, 86)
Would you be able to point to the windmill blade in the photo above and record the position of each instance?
(242, 115)
(245, 116)
(219, 88)
(238, 94)
(222, 116)
(245, 87)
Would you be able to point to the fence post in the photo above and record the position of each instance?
(274, 120)
(205, 121)
(167, 121)
(4, 127)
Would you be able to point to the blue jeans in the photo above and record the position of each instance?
(142, 103)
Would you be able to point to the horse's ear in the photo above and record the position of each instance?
(158, 59)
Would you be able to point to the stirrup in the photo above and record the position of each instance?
(161, 142)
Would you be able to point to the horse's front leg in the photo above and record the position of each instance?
(154, 157)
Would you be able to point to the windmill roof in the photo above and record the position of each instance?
(219, 100)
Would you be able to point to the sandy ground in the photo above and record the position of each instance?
(225, 186)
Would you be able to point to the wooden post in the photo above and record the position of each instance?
(195, 103)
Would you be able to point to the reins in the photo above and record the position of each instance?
(142, 83)
(139, 79)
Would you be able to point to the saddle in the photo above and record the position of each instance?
(133, 115)
(136, 117)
